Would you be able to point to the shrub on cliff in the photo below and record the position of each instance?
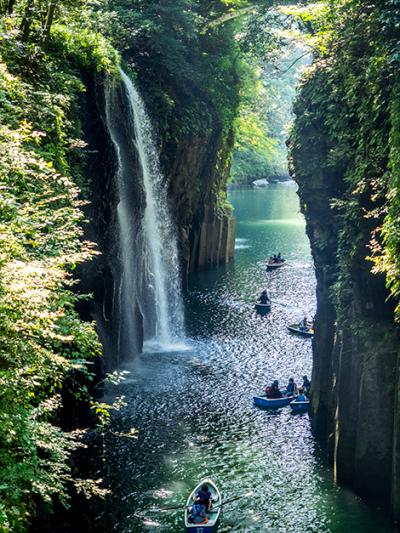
(42, 339)
(348, 105)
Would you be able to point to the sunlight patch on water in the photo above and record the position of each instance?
(162, 493)
(151, 523)
(242, 244)
(277, 222)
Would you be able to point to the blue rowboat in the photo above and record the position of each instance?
(300, 407)
(272, 403)
(294, 328)
(210, 523)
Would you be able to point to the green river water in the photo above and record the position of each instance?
(193, 407)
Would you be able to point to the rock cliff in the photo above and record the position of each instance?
(195, 157)
(356, 343)
(196, 165)
(344, 152)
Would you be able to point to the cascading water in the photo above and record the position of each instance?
(148, 247)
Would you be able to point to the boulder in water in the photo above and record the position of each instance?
(260, 183)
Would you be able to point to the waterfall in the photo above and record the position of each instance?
(148, 246)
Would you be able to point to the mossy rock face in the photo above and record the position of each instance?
(196, 145)
(344, 154)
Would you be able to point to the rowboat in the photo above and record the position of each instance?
(272, 403)
(300, 407)
(271, 265)
(262, 309)
(294, 328)
(210, 523)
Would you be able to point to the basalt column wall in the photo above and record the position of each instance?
(355, 382)
(195, 146)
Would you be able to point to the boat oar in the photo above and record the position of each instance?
(182, 507)
(163, 509)
(247, 495)
(283, 304)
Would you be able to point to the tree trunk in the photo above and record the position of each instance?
(10, 6)
(27, 21)
(49, 20)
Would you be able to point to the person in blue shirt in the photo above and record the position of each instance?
(301, 397)
(201, 506)
(204, 496)
(291, 388)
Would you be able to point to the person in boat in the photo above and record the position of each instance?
(273, 391)
(303, 324)
(301, 396)
(201, 506)
(279, 258)
(291, 388)
(264, 298)
(306, 385)
(204, 496)
(198, 513)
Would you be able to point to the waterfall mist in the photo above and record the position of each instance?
(150, 278)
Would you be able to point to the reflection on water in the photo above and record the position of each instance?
(194, 409)
(241, 244)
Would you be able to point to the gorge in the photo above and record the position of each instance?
(129, 349)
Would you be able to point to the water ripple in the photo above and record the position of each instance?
(194, 409)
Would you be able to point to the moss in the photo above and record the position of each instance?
(345, 156)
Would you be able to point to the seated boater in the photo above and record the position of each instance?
(303, 324)
(291, 388)
(273, 391)
(264, 298)
(201, 506)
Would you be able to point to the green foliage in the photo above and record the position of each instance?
(176, 53)
(257, 154)
(88, 49)
(34, 19)
(42, 339)
(275, 53)
(348, 105)
(387, 255)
